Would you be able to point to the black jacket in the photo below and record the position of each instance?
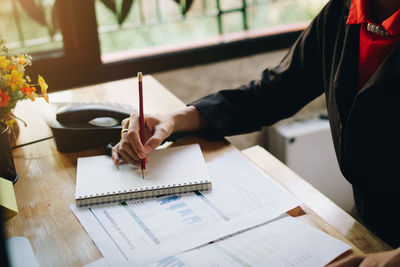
(324, 59)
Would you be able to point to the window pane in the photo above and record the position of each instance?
(274, 13)
(232, 22)
(267, 13)
(136, 27)
(30, 26)
(229, 4)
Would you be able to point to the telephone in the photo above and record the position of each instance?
(78, 126)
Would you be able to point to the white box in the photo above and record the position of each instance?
(306, 147)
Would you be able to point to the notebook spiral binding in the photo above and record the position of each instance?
(142, 193)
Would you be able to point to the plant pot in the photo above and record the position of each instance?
(13, 130)
(7, 167)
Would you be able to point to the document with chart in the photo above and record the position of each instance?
(282, 242)
(142, 231)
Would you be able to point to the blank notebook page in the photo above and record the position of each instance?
(166, 167)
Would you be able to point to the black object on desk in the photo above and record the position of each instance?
(82, 126)
(7, 167)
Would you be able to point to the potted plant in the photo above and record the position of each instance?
(15, 86)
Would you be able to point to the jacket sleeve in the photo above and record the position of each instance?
(280, 93)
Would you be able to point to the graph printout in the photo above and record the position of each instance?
(143, 231)
(281, 243)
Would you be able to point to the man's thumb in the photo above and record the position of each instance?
(152, 144)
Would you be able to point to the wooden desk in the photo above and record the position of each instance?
(46, 184)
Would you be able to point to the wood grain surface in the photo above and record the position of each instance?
(46, 184)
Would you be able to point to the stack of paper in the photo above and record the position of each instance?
(179, 228)
(282, 242)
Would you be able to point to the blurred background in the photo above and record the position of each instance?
(75, 42)
(192, 47)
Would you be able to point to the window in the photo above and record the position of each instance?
(30, 26)
(76, 42)
(143, 27)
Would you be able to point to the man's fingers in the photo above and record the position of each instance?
(159, 135)
(130, 146)
(134, 137)
(351, 261)
(126, 147)
(125, 123)
(152, 144)
(128, 158)
(118, 151)
(114, 154)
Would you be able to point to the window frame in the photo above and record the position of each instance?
(79, 62)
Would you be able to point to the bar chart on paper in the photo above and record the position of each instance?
(176, 204)
(273, 244)
(141, 230)
(145, 224)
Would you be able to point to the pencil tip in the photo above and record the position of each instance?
(139, 76)
(142, 173)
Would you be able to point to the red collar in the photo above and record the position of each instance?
(359, 14)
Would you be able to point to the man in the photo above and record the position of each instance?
(351, 53)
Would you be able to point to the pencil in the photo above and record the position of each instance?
(141, 119)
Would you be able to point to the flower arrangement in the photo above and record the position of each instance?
(15, 85)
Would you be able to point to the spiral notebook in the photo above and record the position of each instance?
(171, 170)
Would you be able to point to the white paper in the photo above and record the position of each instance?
(20, 252)
(142, 231)
(239, 187)
(282, 242)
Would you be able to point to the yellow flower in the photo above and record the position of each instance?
(43, 86)
(4, 62)
(10, 123)
(42, 83)
(15, 79)
(15, 85)
(21, 60)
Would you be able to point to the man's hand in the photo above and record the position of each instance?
(157, 128)
(389, 258)
(130, 147)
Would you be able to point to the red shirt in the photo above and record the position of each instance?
(374, 47)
